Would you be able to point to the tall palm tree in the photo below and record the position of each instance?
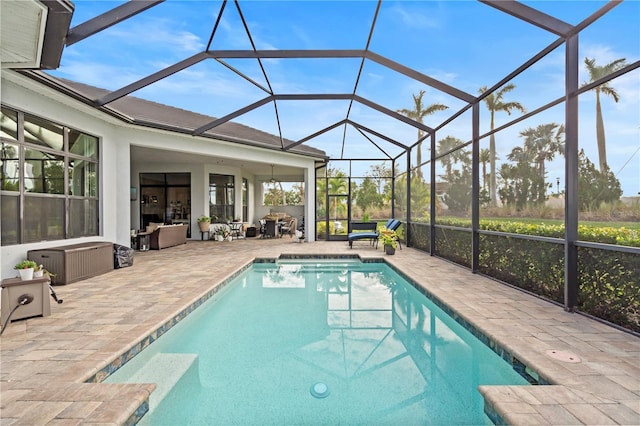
(418, 113)
(496, 103)
(596, 72)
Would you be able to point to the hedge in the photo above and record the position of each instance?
(609, 281)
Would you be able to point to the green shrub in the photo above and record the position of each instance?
(609, 281)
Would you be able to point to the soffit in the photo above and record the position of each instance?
(22, 29)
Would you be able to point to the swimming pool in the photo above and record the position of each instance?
(317, 342)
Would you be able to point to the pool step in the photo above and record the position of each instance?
(165, 370)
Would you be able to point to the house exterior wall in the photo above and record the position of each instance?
(118, 214)
(22, 93)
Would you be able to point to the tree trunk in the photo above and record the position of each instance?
(600, 138)
(492, 169)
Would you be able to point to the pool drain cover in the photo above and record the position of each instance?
(319, 390)
(563, 356)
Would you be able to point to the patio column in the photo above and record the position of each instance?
(475, 188)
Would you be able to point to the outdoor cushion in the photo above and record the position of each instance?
(153, 226)
(368, 232)
(354, 236)
(393, 224)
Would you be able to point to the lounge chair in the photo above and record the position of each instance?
(368, 231)
(365, 231)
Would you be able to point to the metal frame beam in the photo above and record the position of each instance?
(532, 16)
(200, 130)
(571, 287)
(108, 19)
(380, 135)
(317, 96)
(152, 78)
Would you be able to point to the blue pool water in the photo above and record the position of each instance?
(317, 343)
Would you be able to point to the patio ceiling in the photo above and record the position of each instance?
(334, 85)
(261, 169)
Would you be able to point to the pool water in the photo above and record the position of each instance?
(317, 343)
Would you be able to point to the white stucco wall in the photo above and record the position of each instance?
(28, 96)
(118, 214)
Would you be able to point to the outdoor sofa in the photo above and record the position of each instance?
(168, 236)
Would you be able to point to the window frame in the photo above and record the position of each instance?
(61, 228)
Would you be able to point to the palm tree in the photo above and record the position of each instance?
(485, 157)
(543, 143)
(457, 156)
(337, 186)
(495, 103)
(596, 72)
(418, 113)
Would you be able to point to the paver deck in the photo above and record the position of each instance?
(45, 361)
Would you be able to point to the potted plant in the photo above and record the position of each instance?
(25, 269)
(221, 233)
(40, 271)
(389, 241)
(203, 223)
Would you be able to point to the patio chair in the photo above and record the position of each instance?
(369, 231)
(288, 228)
(363, 231)
(236, 230)
(269, 229)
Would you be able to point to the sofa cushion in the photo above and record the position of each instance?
(153, 226)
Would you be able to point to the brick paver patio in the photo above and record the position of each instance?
(45, 361)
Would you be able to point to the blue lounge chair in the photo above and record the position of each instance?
(368, 231)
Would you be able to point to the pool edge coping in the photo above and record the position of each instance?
(130, 351)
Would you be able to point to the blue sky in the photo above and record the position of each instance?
(465, 44)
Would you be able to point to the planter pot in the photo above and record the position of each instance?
(229, 238)
(219, 238)
(204, 226)
(38, 274)
(389, 250)
(26, 274)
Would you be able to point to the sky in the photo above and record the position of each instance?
(465, 44)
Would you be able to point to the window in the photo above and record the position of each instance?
(221, 198)
(165, 198)
(245, 203)
(48, 180)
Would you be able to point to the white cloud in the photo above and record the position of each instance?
(413, 19)
(97, 74)
(159, 33)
